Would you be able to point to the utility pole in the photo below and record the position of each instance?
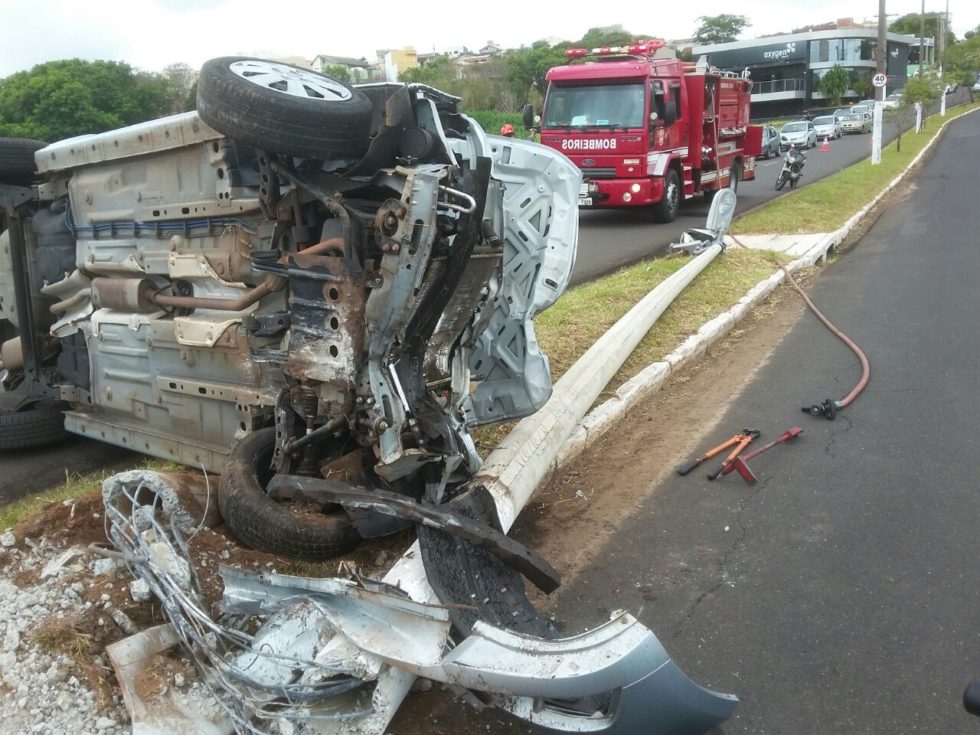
(880, 91)
(922, 37)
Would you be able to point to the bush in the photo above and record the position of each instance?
(492, 120)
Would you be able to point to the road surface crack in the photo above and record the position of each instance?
(720, 575)
(832, 439)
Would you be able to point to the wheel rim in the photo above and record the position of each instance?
(290, 80)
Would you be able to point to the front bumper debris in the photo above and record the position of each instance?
(330, 655)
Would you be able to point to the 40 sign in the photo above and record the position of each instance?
(879, 80)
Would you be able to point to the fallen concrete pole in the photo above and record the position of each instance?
(521, 462)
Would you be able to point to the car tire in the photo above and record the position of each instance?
(666, 209)
(267, 525)
(283, 108)
(17, 160)
(36, 426)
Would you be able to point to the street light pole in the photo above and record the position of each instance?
(880, 91)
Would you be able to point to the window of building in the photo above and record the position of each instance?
(841, 49)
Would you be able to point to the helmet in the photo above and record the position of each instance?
(507, 130)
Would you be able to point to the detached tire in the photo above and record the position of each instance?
(283, 108)
(264, 524)
(36, 426)
(17, 160)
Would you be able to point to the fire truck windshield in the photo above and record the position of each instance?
(594, 105)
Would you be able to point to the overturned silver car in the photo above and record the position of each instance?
(317, 291)
(301, 279)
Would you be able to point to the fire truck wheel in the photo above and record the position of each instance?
(283, 108)
(666, 209)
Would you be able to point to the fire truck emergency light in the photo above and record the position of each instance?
(636, 49)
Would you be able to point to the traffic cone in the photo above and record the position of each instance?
(825, 148)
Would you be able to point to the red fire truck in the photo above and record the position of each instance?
(648, 131)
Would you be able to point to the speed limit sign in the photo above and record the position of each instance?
(879, 80)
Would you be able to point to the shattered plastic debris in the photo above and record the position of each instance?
(326, 654)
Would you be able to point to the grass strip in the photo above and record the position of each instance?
(827, 204)
(74, 487)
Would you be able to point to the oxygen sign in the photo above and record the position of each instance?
(595, 144)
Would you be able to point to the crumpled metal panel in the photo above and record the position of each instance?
(540, 234)
(616, 679)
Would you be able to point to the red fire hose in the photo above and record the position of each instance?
(829, 408)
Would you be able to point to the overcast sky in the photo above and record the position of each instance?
(150, 34)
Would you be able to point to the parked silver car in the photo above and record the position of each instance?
(802, 134)
(828, 126)
(857, 120)
(770, 142)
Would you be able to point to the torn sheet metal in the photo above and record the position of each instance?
(153, 537)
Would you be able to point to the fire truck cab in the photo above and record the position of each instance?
(649, 132)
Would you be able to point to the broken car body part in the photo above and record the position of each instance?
(512, 472)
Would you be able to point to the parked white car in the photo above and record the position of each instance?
(827, 126)
(893, 100)
(801, 134)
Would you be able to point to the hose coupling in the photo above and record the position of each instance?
(828, 409)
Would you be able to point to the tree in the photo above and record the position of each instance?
(921, 90)
(337, 71)
(834, 84)
(963, 60)
(599, 37)
(62, 99)
(911, 24)
(527, 67)
(720, 28)
(183, 80)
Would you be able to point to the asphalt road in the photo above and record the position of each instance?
(844, 596)
(612, 238)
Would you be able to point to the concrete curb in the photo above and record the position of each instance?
(606, 415)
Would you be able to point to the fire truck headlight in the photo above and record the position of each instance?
(627, 196)
(635, 188)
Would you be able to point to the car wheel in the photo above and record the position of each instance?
(35, 426)
(265, 524)
(283, 108)
(17, 160)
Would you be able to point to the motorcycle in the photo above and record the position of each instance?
(792, 169)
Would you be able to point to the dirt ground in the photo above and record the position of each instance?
(567, 522)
